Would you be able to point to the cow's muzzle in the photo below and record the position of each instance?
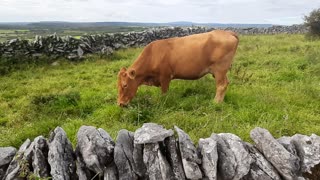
(122, 104)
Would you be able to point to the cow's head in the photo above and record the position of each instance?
(127, 86)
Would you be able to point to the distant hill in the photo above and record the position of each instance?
(61, 24)
(186, 23)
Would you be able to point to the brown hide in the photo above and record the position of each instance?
(190, 57)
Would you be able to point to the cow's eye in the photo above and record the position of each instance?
(125, 85)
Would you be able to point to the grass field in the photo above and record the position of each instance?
(275, 84)
(7, 34)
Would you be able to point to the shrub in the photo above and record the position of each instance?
(313, 22)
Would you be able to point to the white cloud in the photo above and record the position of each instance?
(221, 11)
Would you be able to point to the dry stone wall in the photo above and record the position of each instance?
(155, 153)
(72, 48)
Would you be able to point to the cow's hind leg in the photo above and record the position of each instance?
(219, 71)
(221, 85)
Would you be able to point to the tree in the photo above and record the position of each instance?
(313, 22)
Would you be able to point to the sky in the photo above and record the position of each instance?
(283, 12)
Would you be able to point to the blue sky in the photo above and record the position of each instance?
(284, 12)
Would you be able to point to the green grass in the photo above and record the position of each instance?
(275, 84)
(7, 34)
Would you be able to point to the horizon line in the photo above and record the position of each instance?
(131, 22)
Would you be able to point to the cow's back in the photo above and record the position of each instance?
(190, 57)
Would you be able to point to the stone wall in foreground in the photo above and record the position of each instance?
(155, 153)
(72, 48)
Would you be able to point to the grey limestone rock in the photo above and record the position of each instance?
(209, 153)
(72, 56)
(82, 171)
(6, 156)
(189, 156)
(123, 155)
(158, 167)
(61, 157)
(234, 159)
(28, 154)
(15, 167)
(94, 150)
(174, 157)
(222, 156)
(151, 133)
(287, 143)
(308, 149)
(139, 167)
(110, 172)
(286, 163)
(242, 156)
(80, 52)
(107, 50)
(261, 169)
(227, 163)
(40, 163)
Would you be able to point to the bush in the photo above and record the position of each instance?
(313, 22)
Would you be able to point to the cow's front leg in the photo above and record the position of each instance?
(221, 87)
(164, 83)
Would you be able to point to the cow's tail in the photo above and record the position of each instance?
(234, 34)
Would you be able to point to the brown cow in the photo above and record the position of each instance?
(190, 57)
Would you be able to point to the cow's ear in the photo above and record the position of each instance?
(132, 74)
(122, 72)
(123, 69)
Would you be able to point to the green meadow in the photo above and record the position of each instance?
(274, 84)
